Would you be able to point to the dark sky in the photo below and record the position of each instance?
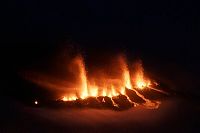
(168, 28)
(149, 23)
(156, 25)
(165, 31)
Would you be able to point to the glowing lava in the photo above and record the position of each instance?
(140, 81)
(85, 88)
(82, 76)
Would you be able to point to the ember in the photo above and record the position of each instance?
(36, 102)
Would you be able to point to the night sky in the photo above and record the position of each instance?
(163, 33)
(166, 31)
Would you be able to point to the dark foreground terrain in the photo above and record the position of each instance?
(174, 115)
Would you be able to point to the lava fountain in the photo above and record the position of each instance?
(121, 92)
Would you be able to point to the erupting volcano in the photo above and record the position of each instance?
(122, 91)
(118, 86)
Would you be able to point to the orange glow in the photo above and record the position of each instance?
(140, 81)
(127, 79)
(141, 84)
(69, 98)
(82, 77)
(93, 91)
(111, 81)
(125, 73)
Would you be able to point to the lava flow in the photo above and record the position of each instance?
(121, 91)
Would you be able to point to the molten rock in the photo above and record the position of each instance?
(133, 96)
(122, 102)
